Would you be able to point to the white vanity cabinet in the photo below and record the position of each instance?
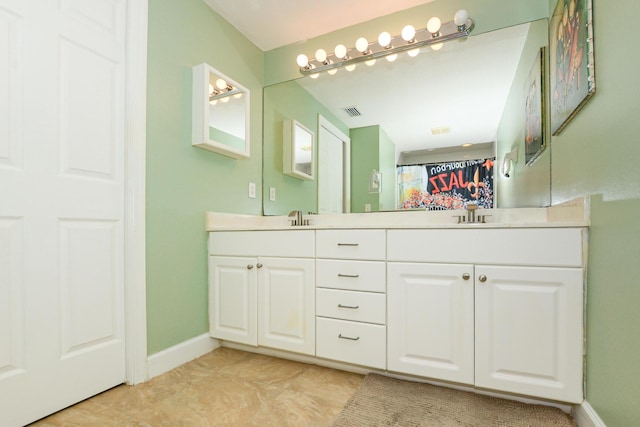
(261, 288)
(350, 296)
(498, 308)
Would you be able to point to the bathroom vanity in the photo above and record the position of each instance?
(495, 306)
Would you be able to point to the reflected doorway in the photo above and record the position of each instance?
(334, 169)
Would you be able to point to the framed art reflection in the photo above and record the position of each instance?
(534, 141)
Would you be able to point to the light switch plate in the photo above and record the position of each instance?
(252, 190)
(272, 194)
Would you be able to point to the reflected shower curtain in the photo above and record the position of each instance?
(445, 186)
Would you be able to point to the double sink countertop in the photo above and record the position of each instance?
(574, 213)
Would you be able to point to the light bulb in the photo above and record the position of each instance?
(433, 26)
(384, 39)
(362, 45)
(321, 55)
(350, 67)
(221, 84)
(213, 102)
(370, 62)
(225, 99)
(238, 95)
(332, 71)
(341, 51)
(392, 57)
(461, 17)
(437, 46)
(413, 52)
(210, 89)
(408, 33)
(302, 60)
(314, 76)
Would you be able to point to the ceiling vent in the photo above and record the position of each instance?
(352, 111)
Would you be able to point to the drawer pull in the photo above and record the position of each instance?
(353, 307)
(348, 338)
(348, 244)
(354, 276)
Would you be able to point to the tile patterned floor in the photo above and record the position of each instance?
(223, 388)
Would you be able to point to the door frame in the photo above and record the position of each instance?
(135, 300)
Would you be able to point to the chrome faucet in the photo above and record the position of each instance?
(297, 218)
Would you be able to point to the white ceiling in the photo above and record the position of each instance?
(274, 23)
(464, 86)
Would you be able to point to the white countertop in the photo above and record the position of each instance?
(574, 213)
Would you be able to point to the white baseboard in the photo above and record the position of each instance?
(172, 357)
(586, 416)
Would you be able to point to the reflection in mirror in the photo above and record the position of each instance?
(423, 108)
(298, 150)
(220, 113)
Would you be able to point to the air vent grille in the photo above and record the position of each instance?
(352, 111)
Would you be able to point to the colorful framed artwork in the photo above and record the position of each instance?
(571, 60)
(534, 141)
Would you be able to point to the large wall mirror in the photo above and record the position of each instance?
(419, 109)
(220, 113)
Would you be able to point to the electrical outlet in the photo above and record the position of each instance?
(272, 194)
(367, 207)
(252, 190)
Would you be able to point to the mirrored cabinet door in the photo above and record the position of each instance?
(220, 113)
(298, 150)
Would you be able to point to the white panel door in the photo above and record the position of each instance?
(286, 304)
(334, 194)
(529, 331)
(430, 320)
(62, 193)
(233, 296)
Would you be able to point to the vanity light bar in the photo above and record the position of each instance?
(217, 94)
(433, 35)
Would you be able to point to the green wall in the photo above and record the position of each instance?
(365, 156)
(183, 182)
(387, 167)
(527, 186)
(597, 154)
(282, 102)
(371, 148)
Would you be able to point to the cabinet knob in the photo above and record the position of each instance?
(466, 276)
(482, 278)
(250, 267)
(259, 265)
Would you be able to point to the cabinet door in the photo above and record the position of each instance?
(286, 304)
(233, 299)
(529, 331)
(430, 320)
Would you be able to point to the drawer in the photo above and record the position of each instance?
(351, 275)
(552, 247)
(350, 305)
(351, 244)
(351, 342)
(274, 243)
